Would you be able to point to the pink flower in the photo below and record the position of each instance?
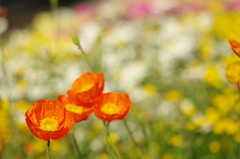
(184, 8)
(140, 9)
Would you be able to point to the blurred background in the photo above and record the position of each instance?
(169, 56)
(21, 12)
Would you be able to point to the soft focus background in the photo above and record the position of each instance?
(170, 56)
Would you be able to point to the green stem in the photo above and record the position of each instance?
(113, 151)
(76, 145)
(48, 149)
(140, 152)
(106, 138)
(76, 42)
(85, 57)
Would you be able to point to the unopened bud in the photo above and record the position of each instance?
(75, 39)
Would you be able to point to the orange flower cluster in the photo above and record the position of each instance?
(48, 119)
(233, 69)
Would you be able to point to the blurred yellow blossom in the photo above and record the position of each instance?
(199, 120)
(215, 6)
(212, 76)
(167, 156)
(5, 131)
(230, 58)
(218, 127)
(23, 105)
(233, 72)
(114, 137)
(190, 126)
(35, 147)
(188, 109)
(206, 48)
(5, 104)
(212, 114)
(174, 95)
(225, 101)
(226, 125)
(103, 156)
(150, 89)
(231, 126)
(214, 146)
(226, 25)
(22, 85)
(60, 146)
(175, 140)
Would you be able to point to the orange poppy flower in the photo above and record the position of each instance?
(79, 113)
(112, 106)
(48, 119)
(87, 87)
(235, 46)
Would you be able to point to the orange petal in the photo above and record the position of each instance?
(235, 46)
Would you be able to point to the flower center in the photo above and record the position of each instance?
(49, 124)
(110, 109)
(86, 87)
(74, 108)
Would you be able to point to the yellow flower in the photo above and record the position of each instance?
(23, 105)
(218, 127)
(150, 89)
(226, 125)
(104, 156)
(215, 6)
(212, 77)
(190, 111)
(233, 72)
(212, 114)
(190, 126)
(176, 140)
(231, 126)
(206, 48)
(167, 156)
(173, 95)
(225, 101)
(214, 146)
(113, 137)
(226, 25)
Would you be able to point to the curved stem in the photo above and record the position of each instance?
(48, 149)
(76, 145)
(140, 152)
(113, 151)
(106, 138)
(76, 42)
(85, 57)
